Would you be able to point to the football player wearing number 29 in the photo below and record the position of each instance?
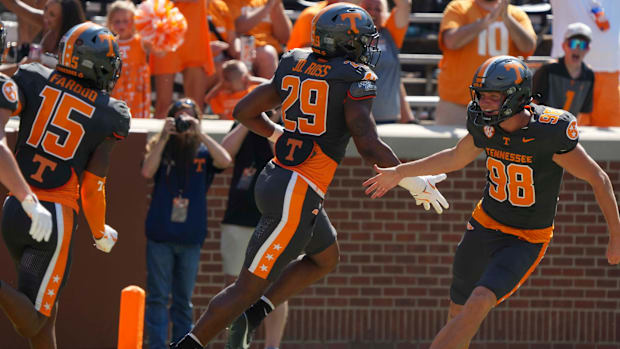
(527, 147)
(326, 96)
(68, 127)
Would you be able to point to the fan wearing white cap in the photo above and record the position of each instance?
(568, 83)
(603, 56)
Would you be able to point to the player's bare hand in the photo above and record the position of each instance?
(386, 179)
(41, 226)
(613, 250)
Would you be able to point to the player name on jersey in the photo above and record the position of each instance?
(314, 69)
(72, 85)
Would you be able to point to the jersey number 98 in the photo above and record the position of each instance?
(513, 182)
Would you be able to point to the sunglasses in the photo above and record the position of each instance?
(578, 44)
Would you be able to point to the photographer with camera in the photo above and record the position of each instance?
(182, 161)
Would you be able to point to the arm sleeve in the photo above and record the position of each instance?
(93, 202)
(10, 96)
(362, 90)
(568, 135)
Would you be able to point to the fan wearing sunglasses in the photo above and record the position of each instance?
(568, 83)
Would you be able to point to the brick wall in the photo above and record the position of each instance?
(391, 287)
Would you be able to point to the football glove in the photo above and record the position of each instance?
(108, 240)
(41, 226)
(430, 195)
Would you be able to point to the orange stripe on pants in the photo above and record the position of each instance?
(53, 283)
(284, 236)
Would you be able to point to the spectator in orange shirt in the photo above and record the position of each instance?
(258, 18)
(235, 83)
(134, 85)
(300, 34)
(470, 32)
(193, 59)
(390, 105)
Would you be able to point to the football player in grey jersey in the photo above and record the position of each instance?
(527, 148)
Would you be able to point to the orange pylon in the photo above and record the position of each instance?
(131, 319)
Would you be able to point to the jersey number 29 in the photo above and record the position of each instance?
(312, 95)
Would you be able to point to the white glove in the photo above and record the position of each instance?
(430, 195)
(107, 241)
(41, 226)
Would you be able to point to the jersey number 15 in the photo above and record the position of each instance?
(55, 110)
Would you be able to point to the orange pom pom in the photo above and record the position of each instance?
(161, 24)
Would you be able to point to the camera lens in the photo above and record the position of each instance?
(181, 125)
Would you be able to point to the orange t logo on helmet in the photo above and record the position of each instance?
(351, 16)
(110, 39)
(515, 66)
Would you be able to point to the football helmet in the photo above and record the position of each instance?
(345, 30)
(505, 74)
(90, 52)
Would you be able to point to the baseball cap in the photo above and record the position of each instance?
(578, 29)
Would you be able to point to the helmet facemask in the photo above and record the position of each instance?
(498, 75)
(333, 35)
(371, 53)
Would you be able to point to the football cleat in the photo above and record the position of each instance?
(240, 333)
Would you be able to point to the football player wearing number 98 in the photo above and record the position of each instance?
(68, 127)
(326, 96)
(528, 147)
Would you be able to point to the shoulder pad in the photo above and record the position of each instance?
(9, 98)
(564, 130)
(35, 68)
(292, 56)
(351, 71)
(121, 119)
(363, 89)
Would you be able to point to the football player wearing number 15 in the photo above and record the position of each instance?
(326, 96)
(68, 127)
(527, 147)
